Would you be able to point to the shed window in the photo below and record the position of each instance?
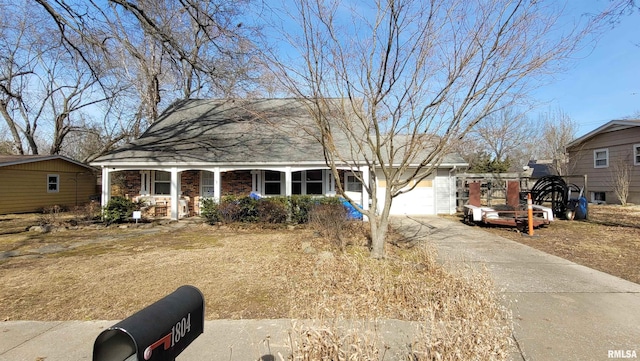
(162, 183)
(601, 158)
(53, 183)
(636, 154)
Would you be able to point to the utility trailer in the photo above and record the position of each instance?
(542, 216)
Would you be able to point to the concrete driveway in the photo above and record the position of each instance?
(561, 310)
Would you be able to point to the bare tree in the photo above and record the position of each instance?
(106, 69)
(506, 135)
(557, 130)
(411, 76)
(168, 50)
(620, 178)
(40, 85)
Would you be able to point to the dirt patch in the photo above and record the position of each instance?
(609, 241)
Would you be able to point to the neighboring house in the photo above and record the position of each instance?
(536, 169)
(31, 183)
(213, 148)
(539, 168)
(601, 153)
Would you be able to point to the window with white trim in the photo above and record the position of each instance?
(313, 182)
(352, 183)
(272, 183)
(598, 197)
(601, 158)
(53, 183)
(636, 154)
(308, 182)
(162, 183)
(296, 182)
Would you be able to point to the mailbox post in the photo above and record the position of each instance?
(159, 332)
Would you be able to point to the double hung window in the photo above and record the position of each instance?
(53, 183)
(162, 183)
(601, 158)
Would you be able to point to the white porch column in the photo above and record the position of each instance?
(217, 187)
(287, 181)
(366, 178)
(106, 186)
(175, 193)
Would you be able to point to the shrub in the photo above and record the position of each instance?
(248, 210)
(229, 209)
(330, 220)
(50, 215)
(210, 210)
(87, 213)
(119, 209)
(272, 210)
(300, 207)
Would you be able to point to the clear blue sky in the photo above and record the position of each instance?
(603, 82)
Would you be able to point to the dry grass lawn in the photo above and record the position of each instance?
(110, 273)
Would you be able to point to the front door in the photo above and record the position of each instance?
(207, 184)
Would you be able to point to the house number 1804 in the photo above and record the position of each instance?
(180, 329)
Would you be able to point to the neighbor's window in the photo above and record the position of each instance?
(53, 183)
(162, 183)
(272, 183)
(601, 158)
(636, 154)
(598, 197)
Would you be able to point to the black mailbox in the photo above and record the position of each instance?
(160, 331)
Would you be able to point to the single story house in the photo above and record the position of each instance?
(601, 153)
(31, 183)
(213, 148)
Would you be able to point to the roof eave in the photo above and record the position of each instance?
(593, 133)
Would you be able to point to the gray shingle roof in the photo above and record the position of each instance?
(224, 131)
(228, 132)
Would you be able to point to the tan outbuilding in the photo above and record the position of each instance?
(31, 183)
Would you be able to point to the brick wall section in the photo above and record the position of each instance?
(190, 186)
(236, 183)
(126, 183)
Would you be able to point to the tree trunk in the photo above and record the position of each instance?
(379, 226)
(17, 142)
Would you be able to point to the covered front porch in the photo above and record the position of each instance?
(177, 192)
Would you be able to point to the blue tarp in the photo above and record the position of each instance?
(254, 195)
(352, 212)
